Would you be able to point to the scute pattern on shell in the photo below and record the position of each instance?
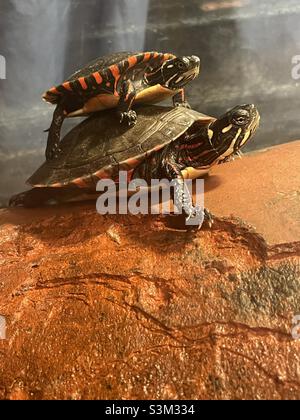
(100, 148)
(101, 63)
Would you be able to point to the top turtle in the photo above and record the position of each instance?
(117, 81)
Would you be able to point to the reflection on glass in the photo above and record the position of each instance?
(246, 47)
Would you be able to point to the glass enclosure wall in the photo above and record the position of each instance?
(249, 50)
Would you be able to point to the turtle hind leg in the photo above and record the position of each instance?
(127, 97)
(30, 199)
(47, 196)
(59, 116)
(36, 197)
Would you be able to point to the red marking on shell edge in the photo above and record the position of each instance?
(132, 61)
(53, 91)
(102, 175)
(129, 177)
(116, 73)
(147, 56)
(79, 182)
(83, 83)
(67, 85)
(133, 162)
(98, 78)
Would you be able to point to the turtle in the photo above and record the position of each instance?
(117, 81)
(166, 143)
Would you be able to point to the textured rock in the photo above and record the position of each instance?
(125, 307)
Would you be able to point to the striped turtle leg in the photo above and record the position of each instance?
(127, 97)
(180, 100)
(182, 197)
(54, 132)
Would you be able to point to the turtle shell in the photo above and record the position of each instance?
(104, 76)
(99, 148)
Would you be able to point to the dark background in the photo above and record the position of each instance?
(246, 47)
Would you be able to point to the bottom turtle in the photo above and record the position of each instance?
(166, 143)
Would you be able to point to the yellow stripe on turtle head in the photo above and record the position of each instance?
(210, 134)
(226, 129)
(246, 137)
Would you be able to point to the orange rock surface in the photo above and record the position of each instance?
(263, 189)
(124, 307)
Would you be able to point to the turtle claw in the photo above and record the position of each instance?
(184, 104)
(209, 218)
(196, 217)
(129, 117)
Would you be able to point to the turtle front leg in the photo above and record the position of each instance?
(53, 150)
(183, 199)
(180, 100)
(127, 97)
(182, 196)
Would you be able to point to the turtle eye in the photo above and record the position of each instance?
(241, 118)
(181, 65)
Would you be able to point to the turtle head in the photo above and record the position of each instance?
(179, 71)
(232, 131)
(175, 73)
